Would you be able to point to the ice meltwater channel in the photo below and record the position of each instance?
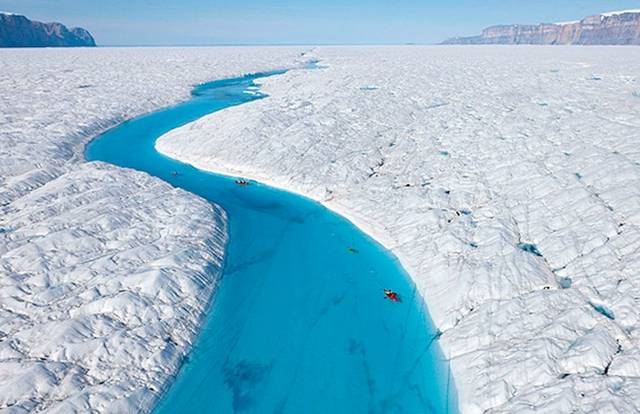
(299, 322)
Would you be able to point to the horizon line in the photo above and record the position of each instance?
(268, 44)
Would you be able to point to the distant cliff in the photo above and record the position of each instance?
(615, 28)
(18, 31)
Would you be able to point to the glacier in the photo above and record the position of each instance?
(105, 273)
(506, 180)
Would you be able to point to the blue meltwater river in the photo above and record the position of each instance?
(299, 322)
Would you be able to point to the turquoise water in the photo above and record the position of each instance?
(299, 323)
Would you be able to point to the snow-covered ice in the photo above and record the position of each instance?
(104, 272)
(506, 179)
(105, 279)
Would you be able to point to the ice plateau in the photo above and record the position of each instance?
(104, 272)
(507, 181)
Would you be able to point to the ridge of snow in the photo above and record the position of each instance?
(617, 13)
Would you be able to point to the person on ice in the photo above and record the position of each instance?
(391, 295)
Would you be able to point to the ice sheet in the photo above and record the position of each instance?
(104, 272)
(507, 179)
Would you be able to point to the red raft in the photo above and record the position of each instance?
(391, 295)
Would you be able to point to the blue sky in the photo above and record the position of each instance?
(180, 22)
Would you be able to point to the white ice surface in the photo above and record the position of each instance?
(104, 272)
(456, 157)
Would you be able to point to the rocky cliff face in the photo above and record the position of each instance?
(18, 31)
(616, 28)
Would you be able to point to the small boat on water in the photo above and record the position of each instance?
(242, 182)
(391, 295)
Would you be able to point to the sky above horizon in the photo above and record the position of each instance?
(200, 22)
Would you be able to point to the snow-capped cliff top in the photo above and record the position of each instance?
(617, 13)
(599, 29)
